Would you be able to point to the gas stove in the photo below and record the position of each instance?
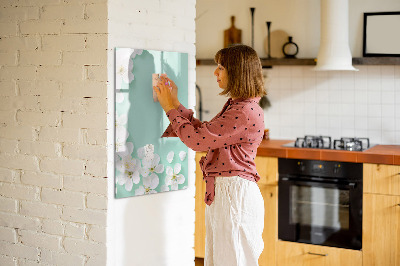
(325, 142)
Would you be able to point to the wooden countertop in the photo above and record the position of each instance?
(379, 154)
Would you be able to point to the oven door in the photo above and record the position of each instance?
(321, 212)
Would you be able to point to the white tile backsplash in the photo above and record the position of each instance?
(364, 103)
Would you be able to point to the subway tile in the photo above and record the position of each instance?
(387, 71)
(322, 109)
(388, 124)
(397, 72)
(284, 83)
(310, 108)
(374, 123)
(322, 83)
(347, 122)
(322, 121)
(388, 110)
(374, 83)
(335, 122)
(388, 97)
(335, 95)
(360, 124)
(374, 110)
(397, 123)
(297, 83)
(296, 72)
(361, 110)
(388, 84)
(349, 132)
(347, 109)
(361, 97)
(322, 96)
(375, 136)
(310, 95)
(388, 137)
(348, 96)
(374, 97)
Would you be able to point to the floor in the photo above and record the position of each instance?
(198, 261)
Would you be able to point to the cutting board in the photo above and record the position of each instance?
(232, 35)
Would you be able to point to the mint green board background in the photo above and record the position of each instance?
(146, 119)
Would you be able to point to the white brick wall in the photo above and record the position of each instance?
(53, 107)
(164, 235)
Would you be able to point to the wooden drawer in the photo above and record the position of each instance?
(381, 179)
(297, 254)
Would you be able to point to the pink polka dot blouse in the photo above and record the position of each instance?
(231, 139)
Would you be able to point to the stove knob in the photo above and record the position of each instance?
(302, 167)
(336, 169)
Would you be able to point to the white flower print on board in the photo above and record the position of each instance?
(152, 167)
(146, 152)
(182, 155)
(124, 66)
(149, 185)
(121, 135)
(164, 188)
(173, 177)
(170, 156)
(129, 169)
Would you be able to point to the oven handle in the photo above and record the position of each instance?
(297, 181)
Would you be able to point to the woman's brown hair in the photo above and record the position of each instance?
(245, 78)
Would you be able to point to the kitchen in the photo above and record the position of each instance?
(57, 73)
(304, 103)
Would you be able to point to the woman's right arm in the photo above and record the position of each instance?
(183, 111)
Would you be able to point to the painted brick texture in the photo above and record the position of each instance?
(53, 111)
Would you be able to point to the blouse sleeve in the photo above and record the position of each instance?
(223, 131)
(186, 113)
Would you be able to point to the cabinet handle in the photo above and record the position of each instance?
(318, 254)
(398, 204)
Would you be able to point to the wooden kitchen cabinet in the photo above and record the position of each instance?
(381, 179)
(200, 207)
(298, 254)
(270, 233)
(267, 168)
(381, 230)
(381, 215)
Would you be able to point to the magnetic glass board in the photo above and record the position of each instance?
(145, 163)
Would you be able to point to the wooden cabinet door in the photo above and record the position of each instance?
(270, 233)
(267, 168)
(381, 230)
(381, 179)
(297, 254)
(200, 207)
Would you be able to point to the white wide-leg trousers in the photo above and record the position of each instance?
(234, 223)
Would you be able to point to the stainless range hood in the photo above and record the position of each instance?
(334, 52)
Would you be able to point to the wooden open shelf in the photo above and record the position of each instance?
(312, 61)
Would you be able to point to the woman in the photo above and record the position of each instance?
(235, 207)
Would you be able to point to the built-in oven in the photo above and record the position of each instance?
(320, 202)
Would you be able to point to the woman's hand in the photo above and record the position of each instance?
(174, 89)
(164, 94)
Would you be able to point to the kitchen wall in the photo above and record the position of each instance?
(339, 104)
(152, 229)
(53, 110)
